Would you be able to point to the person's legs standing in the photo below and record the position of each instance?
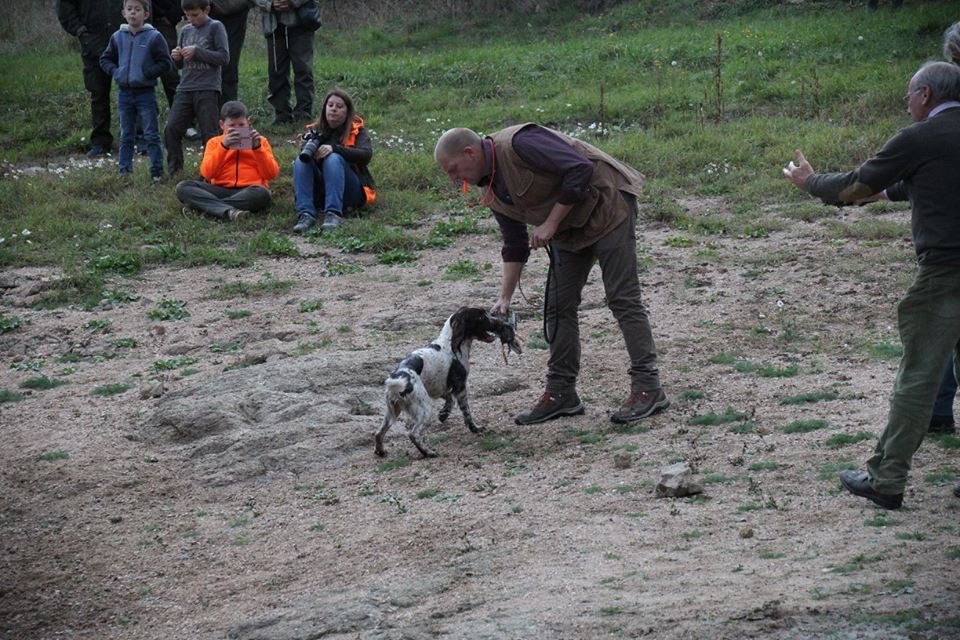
(127, 113)
(929, 322)
(564, 290)
(617, 254)
(206, 107)
(147, 110)
(178, 120)
(236, 27)
(278, 74)
(97, 84)
(942, 419)
(301, 58)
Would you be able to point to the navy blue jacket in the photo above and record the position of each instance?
(136, 60)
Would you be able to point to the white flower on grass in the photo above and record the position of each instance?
(569, 105)
(673, 63)
(2, 240)
(25, 232)
(780, 304)
(860, 38)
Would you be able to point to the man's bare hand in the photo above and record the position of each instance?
(798, 172)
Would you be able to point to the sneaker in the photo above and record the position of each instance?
(858, 483)
(550, 406)
(331, 220)
(639, 405)
(192, 134)
(97, 151)
(941, 424)
(235, 214)
(304, 222)
(190, 212)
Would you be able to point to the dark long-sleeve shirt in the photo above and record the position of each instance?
(202, 72)
(921, 164)
(544, 152)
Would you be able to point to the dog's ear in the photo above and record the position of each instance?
(458, 327)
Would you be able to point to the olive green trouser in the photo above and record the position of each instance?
(616, 253)
(929, 323)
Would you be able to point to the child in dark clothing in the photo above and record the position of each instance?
(202, 51)
(136, 56)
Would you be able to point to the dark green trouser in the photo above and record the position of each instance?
(929, 322)
(617, 254)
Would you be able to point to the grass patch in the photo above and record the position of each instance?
(810, 398)
(396, 256)
(713, 418)
(9, 323)
(111, 389)
(941, 477)
(310, 306)
(265, 287)
(42, 383)
(174, 363)
(169, 310)
(393, 465)
(9, 396)
(766, 465)
(885, 350)
(838, 440)
(49, 456)
(464, 270)
(804, 426)
(947, 441)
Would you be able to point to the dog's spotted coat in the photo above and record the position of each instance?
(439, 371)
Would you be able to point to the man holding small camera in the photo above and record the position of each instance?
(237, 168)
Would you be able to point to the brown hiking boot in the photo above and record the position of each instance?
(550, 406)
(639, 405)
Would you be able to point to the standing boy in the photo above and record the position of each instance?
(238, 166)
(201, 52)
(136, 56)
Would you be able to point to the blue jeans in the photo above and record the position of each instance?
(334, 183)
(132, 104)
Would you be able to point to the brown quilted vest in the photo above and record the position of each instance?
(534, 194)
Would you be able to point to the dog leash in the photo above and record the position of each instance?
(551, 273)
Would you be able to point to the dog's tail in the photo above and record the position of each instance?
(397, 385)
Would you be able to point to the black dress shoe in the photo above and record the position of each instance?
(858, 483)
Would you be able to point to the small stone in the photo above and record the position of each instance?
(746, 532)
(116, 519)
(622, 461)
(153, 389)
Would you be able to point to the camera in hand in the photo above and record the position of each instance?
(310, 146)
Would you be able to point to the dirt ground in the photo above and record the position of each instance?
(232, 490)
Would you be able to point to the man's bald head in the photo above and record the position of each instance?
(454, 141)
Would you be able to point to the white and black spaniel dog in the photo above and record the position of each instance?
(440, 371)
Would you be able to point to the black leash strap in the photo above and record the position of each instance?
(551, 273)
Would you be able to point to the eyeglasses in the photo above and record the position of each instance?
(906, 98)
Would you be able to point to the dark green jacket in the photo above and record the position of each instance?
(920, 164)
(92, 21)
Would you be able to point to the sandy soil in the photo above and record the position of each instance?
(128, 516)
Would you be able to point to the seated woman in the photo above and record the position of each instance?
(333, 172)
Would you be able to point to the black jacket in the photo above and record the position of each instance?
(92, 21)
